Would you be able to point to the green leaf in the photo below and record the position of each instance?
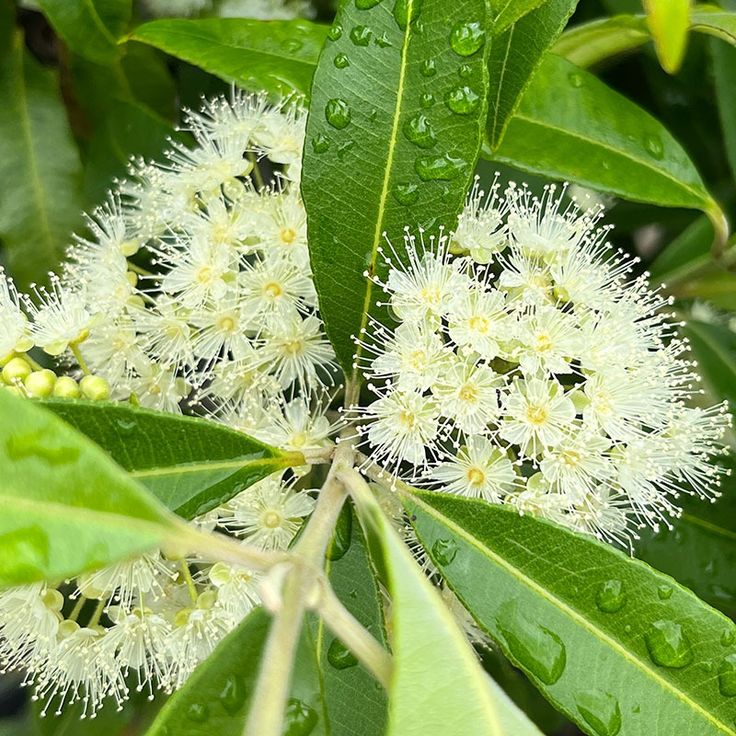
(384, 149)
(668, 22)
(278, 57)
(437, 684)
(191, 465)
(505, 13)
(356, 703)
(89, 27)
(588, 43)
(67, 508)
(570, 125)
(40, 173)
(615, 645)
(724, 73)
(714, 347)
(515, 56)
(217, 696)
(688, 252)
(715, 22)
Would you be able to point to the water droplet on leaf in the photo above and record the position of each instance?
(664, 592)
(406, 193)
(320, 143)
(428, 68)
(654, 147)
(462, 100)
(575, 79)
(600, 711)
(610, 596)
(300, 718)
(420, 132)
(728, 636)
(233, 694)
(401, 12)
(126, 426)
(467, 38)
(198, 712)
(727, 676)
(341, 61)
(361, 35)
(291, 45)
(334, 33)
(465, 71)
(667, 645)
(443, 168)
(427, 100)
(339, 656)
(366, 4)
(337, 113)
(444, 551)
(382, 41)
(343, 148)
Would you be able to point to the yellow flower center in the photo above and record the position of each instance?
(293, 347)
(204, 275)
(537, 414)
(417, 360)
(431, 295)
(480, 324)
(287, 235)
(571, 458)
(271, 519)
(407, 419)
(544, 343)
(299, 439)
(273, 290)
(226, 324)
(468, 393)
(475, 476)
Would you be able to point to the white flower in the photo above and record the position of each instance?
(479, 321)
(297, 426)
(481, 231)
(14, 335)
(547, 341)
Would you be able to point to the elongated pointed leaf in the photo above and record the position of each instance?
(89, 27)
(615, 645)
(715, 22)
(66, 507)
(392, 139)
(278, 56)
(505, 13)
(515, 56)
(437, 685)
(714, 347)
(724, 73)
(570, 125)
(191, 465)
(668, 21)
(40, 172)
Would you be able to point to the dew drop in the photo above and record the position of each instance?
(727, 676)
(444, 551)
(536, 648)
(728, 636)
(465, 71)
(353, 594)
(610, 596)
(427, 100)
(440, 168)
(198, 712)
(664, 592)
(654, 147)
(300, 718)
(342, 536)
(406, 193)
(337, 113)
(292, 45)
(343, 148)
(366, 4)
(233, 694)
(600, 711)
(341, 61)
(382, 41)
(667, 645)
(320, 143)
(401, 12)
(420, 132)
(334, 33)
(339, 656)
(575, 79)
(428, 68)
(462, 100)
(372, 115)
(467, 38)
(627, 628)
(126, 426)
(361, 35)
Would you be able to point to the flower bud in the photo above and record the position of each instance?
(16, 370)
(95, 388)
(40, 384)
(66, 388)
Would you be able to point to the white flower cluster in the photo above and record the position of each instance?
(153, 618)
(528, 368)
(256, 9)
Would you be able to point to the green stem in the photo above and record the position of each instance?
(138, 269)
(78, 606)
(187, 575)
(97, 615)
(256, 170)
(74, 347)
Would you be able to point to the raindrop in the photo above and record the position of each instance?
(382, 41)
(291, 45)
(728, 636)
(320, 143)
(420, 132)
(366, 4)
(126, 426)
(341, 61)
(462, 100)
(343, 148)
(600, 711)
(198, 712)
(372, 115)
(444, 551)
(664, 592)
(428, 68)
(535, 647)
(610, 596)
(443, 168)
(401, 12)
(627, 628)
(465, 71)
(427, 100)
(334, 33)
(727, 676)
(361, 35)
(654, 147)
(341, 538)
(667, 645)
(233, 694)
(337, 113)
(300, 718)
(339, 656)
(575, 79)
(467, 38)
(406, 193)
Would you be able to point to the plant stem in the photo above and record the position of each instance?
(191, 587)
(256, 170)
(219, 547)
(351, 632)
(80, 360)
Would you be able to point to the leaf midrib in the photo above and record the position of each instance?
(198, 467)
(572, 614)
(495, 141)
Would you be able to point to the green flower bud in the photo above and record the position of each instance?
(40, 384)
(66, 388)
(15, 370)
(95, 388)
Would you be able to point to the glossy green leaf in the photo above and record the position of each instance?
(505, 13)
(615, 645)
(355, 702)
(515, 56)
(392, 139)
(40, 172)
(570, 125)
(217, 696)
(715, 285)
(724, 73)
(191, 465)
(588, 43)
(688, 252)
(437, 684)
(715, 22)
(66, 506)
(714, 347)
(668, 22)
(89, 27)
(278, 57)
